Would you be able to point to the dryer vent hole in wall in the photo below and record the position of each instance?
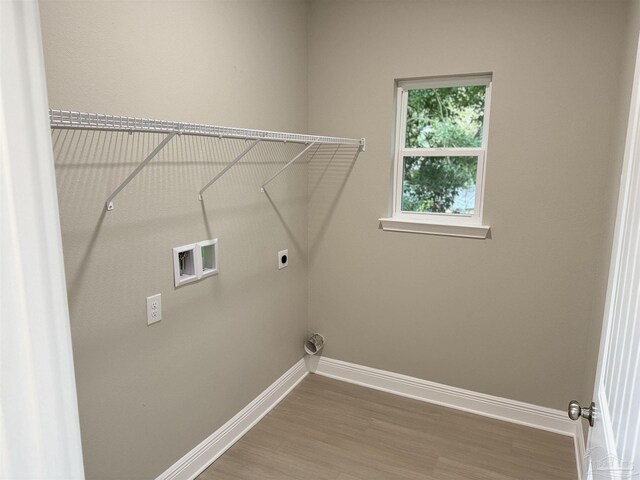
(314, 344)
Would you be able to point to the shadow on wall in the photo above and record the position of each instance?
(160, 205)
(328, 175)
(161, 202)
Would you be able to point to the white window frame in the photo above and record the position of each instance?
(438, 223)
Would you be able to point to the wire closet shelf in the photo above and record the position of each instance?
(64, 119)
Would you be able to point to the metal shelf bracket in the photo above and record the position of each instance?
(286, 166)
(132, 175)
(228, 167)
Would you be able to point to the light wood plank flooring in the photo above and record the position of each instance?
(330, 430)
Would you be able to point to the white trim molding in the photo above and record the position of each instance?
(408, 225)
(581, 450)
(486, 405)
(208, 451)
(542, 418)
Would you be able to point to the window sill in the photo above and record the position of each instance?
(430, 228)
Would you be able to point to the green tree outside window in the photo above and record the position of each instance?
(449, 117)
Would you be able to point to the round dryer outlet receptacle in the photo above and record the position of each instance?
(283, 259)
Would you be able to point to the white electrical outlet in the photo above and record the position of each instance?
(283, 259)
(154, 309)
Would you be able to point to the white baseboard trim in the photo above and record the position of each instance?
(578, 442)
(204, 454)
(543, 418)
(487, 405)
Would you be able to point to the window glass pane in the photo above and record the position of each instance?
(449, 117)
(439, 185)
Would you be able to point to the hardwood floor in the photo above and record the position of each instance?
(330, 430)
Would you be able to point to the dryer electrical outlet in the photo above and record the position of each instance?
(283, 259)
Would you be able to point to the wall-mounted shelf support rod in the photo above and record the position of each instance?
(286, 166)
(161, 145)
(229, 165)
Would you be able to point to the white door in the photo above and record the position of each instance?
(613, 448)
(39, 424)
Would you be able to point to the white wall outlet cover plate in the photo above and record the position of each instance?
(154, 309)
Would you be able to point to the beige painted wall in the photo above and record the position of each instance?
(510, 315)
(147, 395)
